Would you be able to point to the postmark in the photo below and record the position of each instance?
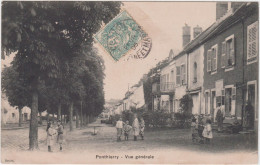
(124, 36)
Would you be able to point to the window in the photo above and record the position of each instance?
(209, 61)
(195, 72)
(230, 53)
(183, 74)
(13, 115)
(212, 59)
(178, 75)
(252, 43)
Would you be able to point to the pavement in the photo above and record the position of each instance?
(164, 145)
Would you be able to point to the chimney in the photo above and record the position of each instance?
(196, 31)
(185, 35)
(221, 9)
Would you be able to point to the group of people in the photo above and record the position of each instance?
(201, 132)
(54, 133)
(124, 128)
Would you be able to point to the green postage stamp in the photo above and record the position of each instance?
(123, 35)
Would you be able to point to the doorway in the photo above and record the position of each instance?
(252, 98)
(228, 99)
(213, 105)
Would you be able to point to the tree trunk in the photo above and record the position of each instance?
(85, 119)
(77, 118)
(65, 119)
(59, 112)
(41, 118)
(88, 119)
(71, 116)
(20, 117)
(81, 115)
(33, 133)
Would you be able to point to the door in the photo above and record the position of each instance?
(251, 96)
(213, 104)
(228, 99)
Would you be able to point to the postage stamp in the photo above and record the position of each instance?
(123, 35)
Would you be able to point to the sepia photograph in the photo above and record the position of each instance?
(129, 82)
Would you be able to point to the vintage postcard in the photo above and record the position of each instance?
(110, 82)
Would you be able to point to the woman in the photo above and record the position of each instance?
(135, 127)
(207, 132)
(60, 138)
(142, 125)
(50, 136)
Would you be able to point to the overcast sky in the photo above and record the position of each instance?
(163, 21)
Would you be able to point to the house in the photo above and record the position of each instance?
(231, 62)
(10, 114)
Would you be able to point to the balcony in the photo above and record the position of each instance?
(156, 88)
(167, 87)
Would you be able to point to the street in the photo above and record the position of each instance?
(161, 144)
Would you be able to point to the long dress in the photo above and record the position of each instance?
(60, 137)
(135, 126)
(50, 136)
(207, 132)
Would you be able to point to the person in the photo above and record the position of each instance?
(249, 115)
(119, 127)
(235, 127)
(142, 125)
(207, 132)
(135, 127)
(219, 118)
(50, 135)
(127, 129)
(60, 137)
(194, 132)
(200, 128)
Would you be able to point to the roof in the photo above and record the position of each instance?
(221, 24)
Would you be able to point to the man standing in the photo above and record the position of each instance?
(119, 127)
(219, 117)
(249, 115)
(135, 127)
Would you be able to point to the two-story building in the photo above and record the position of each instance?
(231, 61)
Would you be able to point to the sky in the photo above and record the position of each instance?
(163, 22)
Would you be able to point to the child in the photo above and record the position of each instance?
(127, 129)
(119, 127)
(50, 136)
(60, 134)
(194, 132)
(142, 125)
(207, 132)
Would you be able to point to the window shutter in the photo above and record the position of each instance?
(223, 56)
(252, 42)
(232, 55)
(209, 61)
(233, 91)
(178, 75)
(184, 74)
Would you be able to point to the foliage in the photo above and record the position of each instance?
(54, 56)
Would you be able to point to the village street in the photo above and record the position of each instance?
(168, 144)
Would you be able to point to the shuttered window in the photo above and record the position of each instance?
(230, 51)
(223, 54)
(178, 75)
(209, 61)
(214, 59)
(183, 74)
(252, 42)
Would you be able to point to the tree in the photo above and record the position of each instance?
(16, 91)
(42, 33)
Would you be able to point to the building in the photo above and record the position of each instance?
(10, 114)
(231, 63)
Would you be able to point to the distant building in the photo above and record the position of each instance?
(10, 114)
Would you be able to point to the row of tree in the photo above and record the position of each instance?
(55, 65)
